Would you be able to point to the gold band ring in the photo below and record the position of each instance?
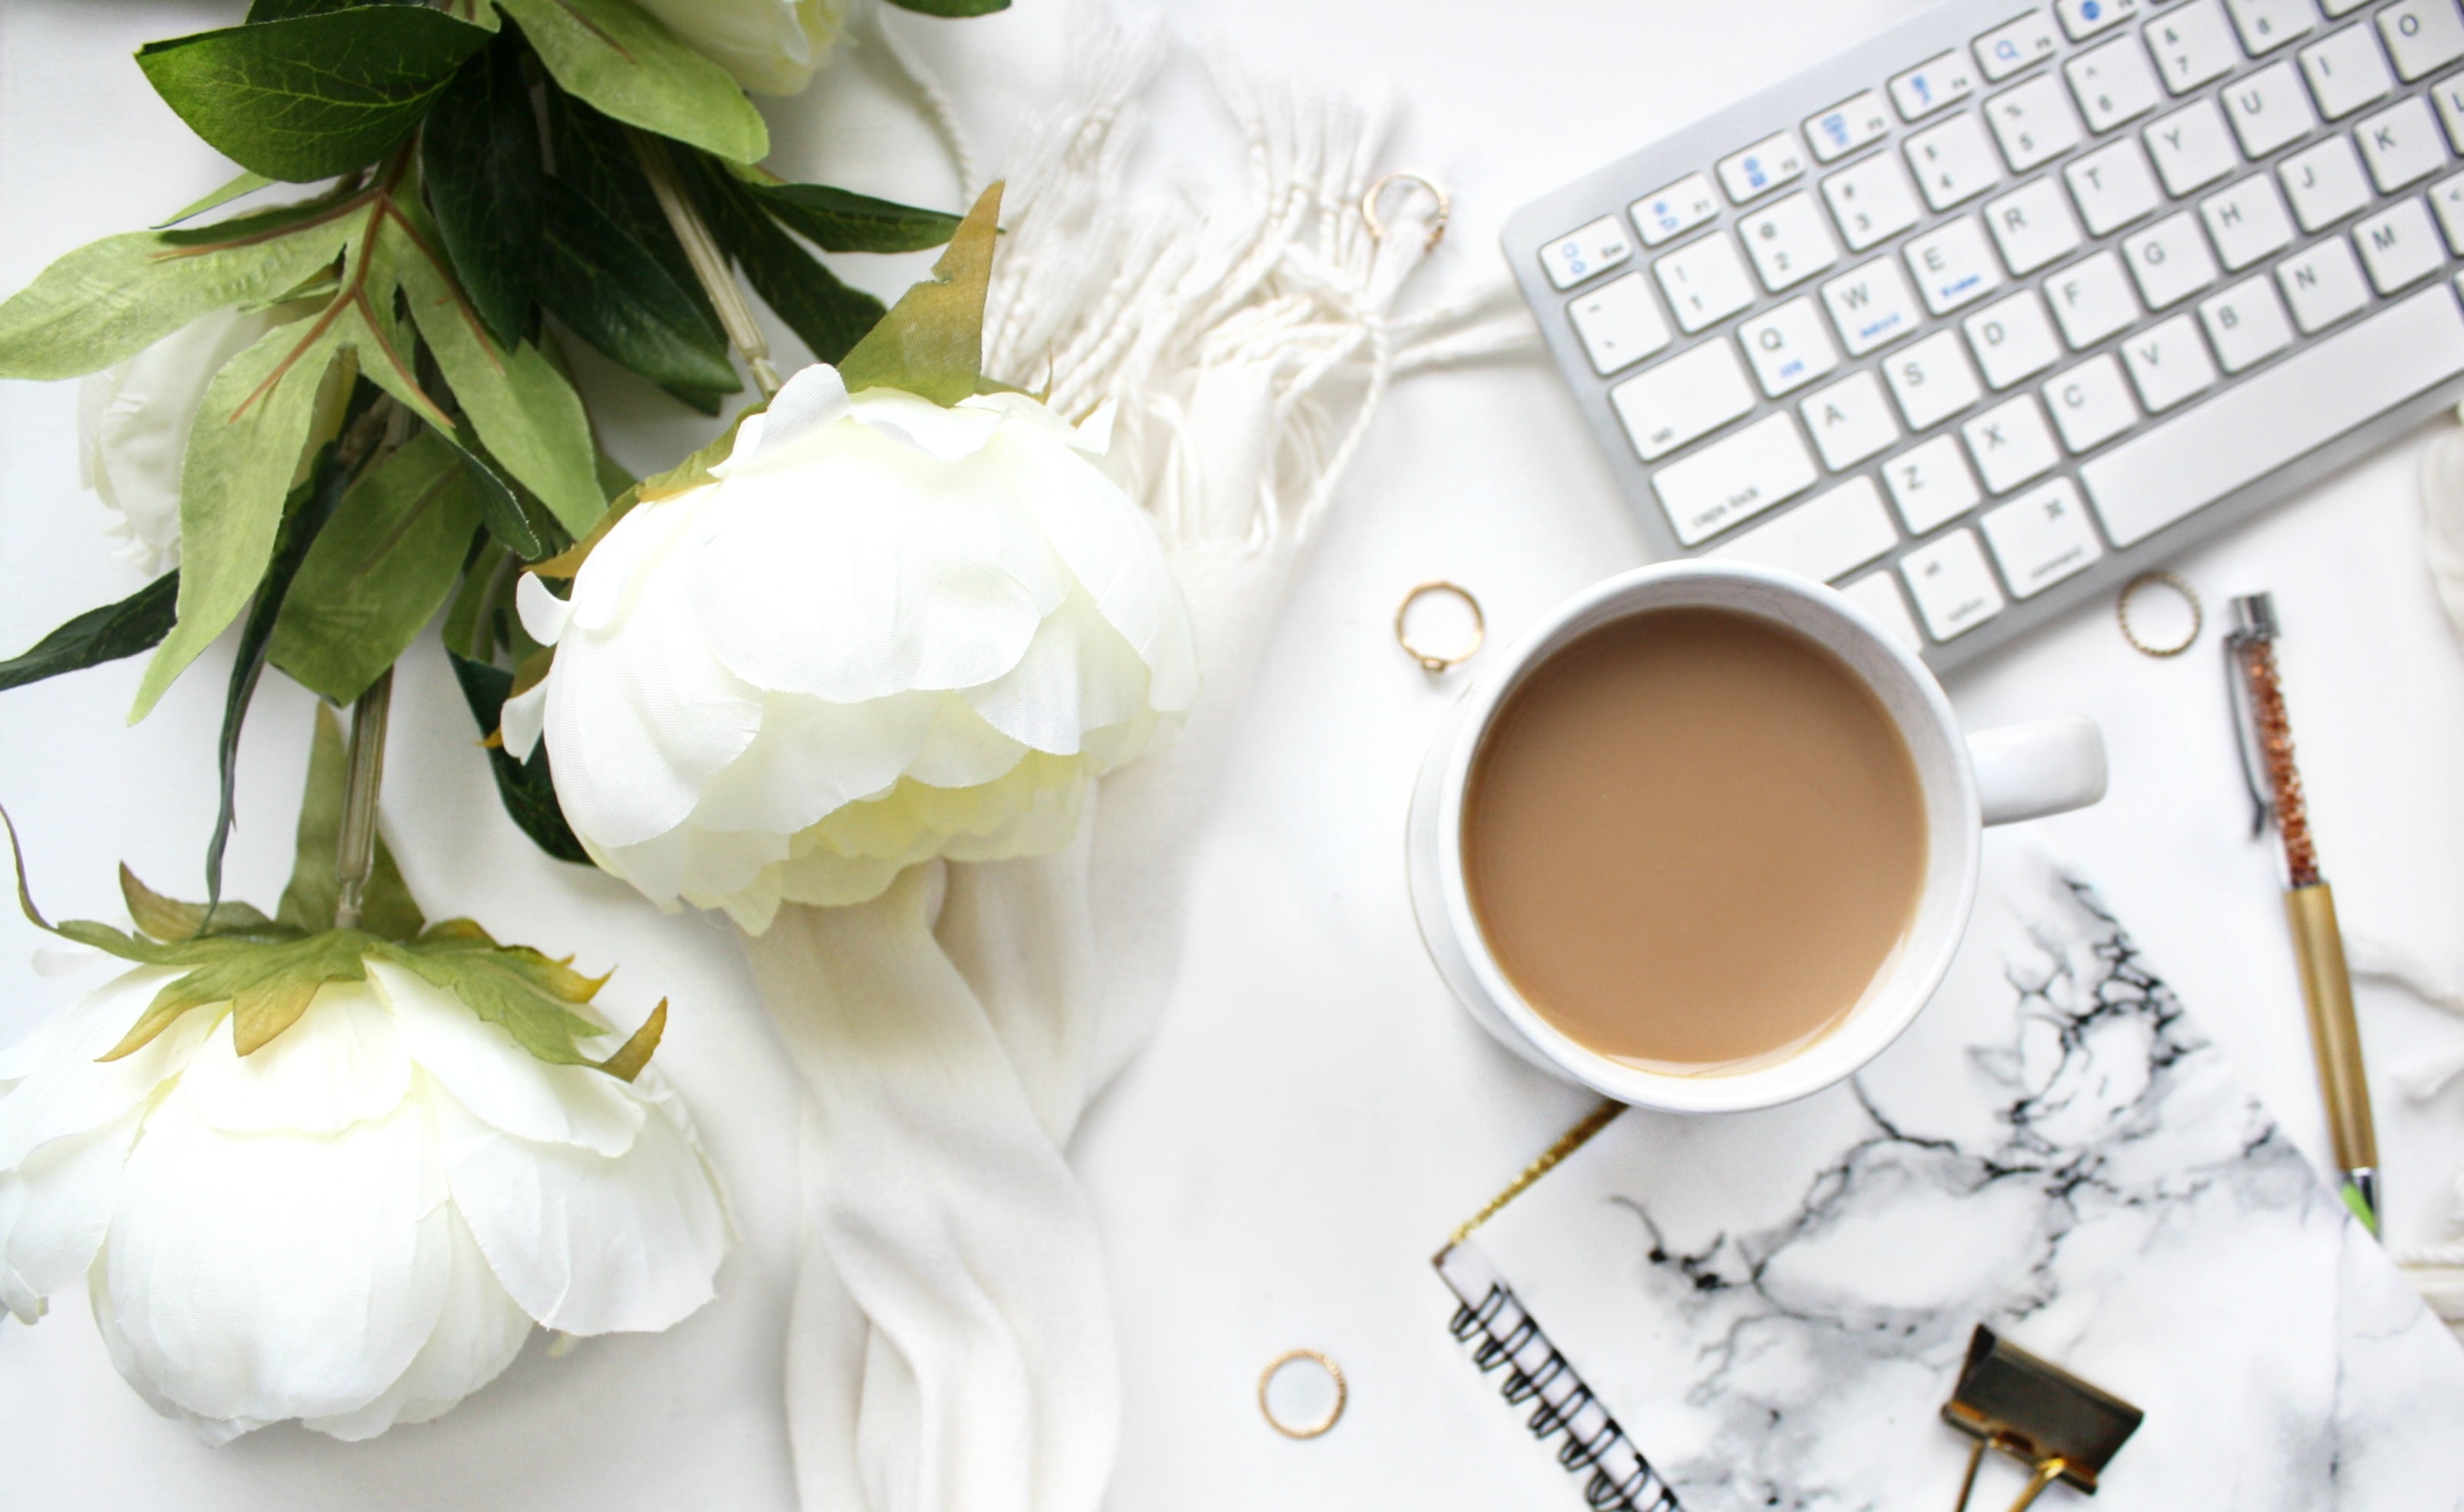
(2190, 597)
(1377, 228)
(1430, 661)
(1342, 1394)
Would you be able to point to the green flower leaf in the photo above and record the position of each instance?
(314, 893)
(829, 317)
(284, 10)
(240, 188)
(379, 571)
(615, 296)
(526, 787)
(308, 97)
(952, 8)
(620, 59)
(480, 158)
(842, 220)
(932, 341)
(268, 984)
(111, 299)
(171, 922)
(531, 996)
(136, 623)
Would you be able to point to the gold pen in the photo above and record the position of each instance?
(2276, 790)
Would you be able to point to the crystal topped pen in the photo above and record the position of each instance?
(2326, 989)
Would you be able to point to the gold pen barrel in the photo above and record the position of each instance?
(2335, 1038)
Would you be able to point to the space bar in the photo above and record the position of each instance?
(2305, 401)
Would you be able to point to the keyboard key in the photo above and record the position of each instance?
(1734, 479)
(1788, 348)
(2325, 183)
(1704, 280)
(2448, 98)
(2399, 247)
(1578, 255)
(2193, 148)
(1931, 484)
(2113, 83)
(1933, 380)
(2266, 24)
(2032, 226)
(1848, 126)
(2346, 72)
(2011, 444)
(1766, 165)
(2169, 363)
(2091, 403)
(1692, 394)
(2013, 45)
(1871, 305)
(1788, 243)
(2193, 46)
(2268, 109)
(2421, 36)
(2448, 200)
(1954, 161)
(1676, 210)
(2042, 538)
(1953, 585)
(2033, 122)
(1932, 84)
(2112, 187)
(1953, 266)
(2322, 283)
(1827, 536)
(2246, 324)
(2337, 8)
(2248, 431)
(1850, 422)
(2013, 338)
(1879, 596)
(2401, 146)
(2092, 300)
(2170, 260)
(2085, 18)
(1619, 322)
(2246, 222)
(1872, 201)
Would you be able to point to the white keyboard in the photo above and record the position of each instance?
(2010, 303)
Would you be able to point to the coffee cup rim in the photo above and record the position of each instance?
(1884, 1013)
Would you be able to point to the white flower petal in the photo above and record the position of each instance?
(773, 47)
(135, 420)
(962, 750)
(1078, 675)
(544, 614)
(340, 1063)
(522, 719)
(276, 1275)
(211, 1431)
(60, 1089)
(54, 1210)
(478, 1334)
(497, 1081)
(815, 397)
(587, 1244)
(813, 755)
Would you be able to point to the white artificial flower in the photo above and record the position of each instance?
(773, 47)
(133, 423)
(357, 1223)
(887, 631)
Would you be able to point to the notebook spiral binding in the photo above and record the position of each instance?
(1501, 1333)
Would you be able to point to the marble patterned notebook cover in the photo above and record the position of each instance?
(1773, 1306)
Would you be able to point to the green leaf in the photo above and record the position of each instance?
(379, 571)
(136, 623)
(527, 787)
(173, 923)
(932, 341)
(596, 156)
(311, 96)
(616, 57)
(530, 995)
(842, 220)
(829, 317)
(240, 188)
(243, 452)
(952, 8)
(111, 299)
(314, 891)
(636, 1052)
(486, 593)
(284, 10)
(480, 154)
(616, 296)
(268, 984)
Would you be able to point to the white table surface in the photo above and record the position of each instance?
(1313, 1114)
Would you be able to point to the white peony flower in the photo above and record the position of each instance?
(887, 631)
(773, 47)
(357, 1223)
(133, 423)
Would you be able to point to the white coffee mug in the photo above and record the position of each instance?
(1994, 777)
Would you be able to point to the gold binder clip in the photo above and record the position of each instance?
(2036, 1413)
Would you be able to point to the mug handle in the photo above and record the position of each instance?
(2026, 771)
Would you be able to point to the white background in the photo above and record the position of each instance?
(1314, 1114)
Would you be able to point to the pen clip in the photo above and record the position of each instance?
(2255, 627)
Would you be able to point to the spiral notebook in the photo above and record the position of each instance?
(1768, 1309)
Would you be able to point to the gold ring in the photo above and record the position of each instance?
(1430, 661)
(1342, 1394)
(2130, 589)
(1377, 228)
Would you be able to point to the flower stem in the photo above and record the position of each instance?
(363, 775)
(709, 263)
